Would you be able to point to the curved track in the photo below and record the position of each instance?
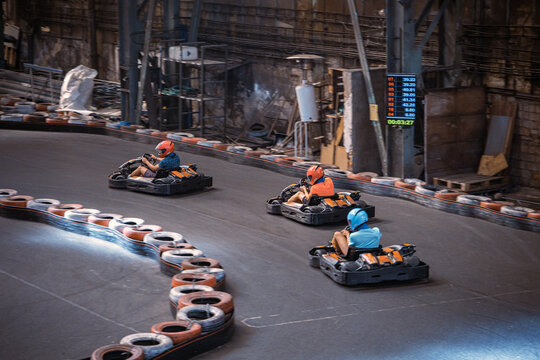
(68, 295)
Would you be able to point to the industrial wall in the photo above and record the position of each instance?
(495, 45)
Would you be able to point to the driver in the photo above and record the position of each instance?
(358, 234)
(321, 186)
(168, 160)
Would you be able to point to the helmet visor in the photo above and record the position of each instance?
(161, 151)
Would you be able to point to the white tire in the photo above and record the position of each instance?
(179, 255)
(472, 199)
(337, 173)
(120, 224)
(209, 317)
(519, 211)
(163, 238)
(178, 291)
(8, 192)
(160, 343)
(80, 214)
(385, 180)
(41, 204)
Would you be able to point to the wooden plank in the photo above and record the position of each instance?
(471, 182)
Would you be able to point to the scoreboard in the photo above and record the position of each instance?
(400, 99)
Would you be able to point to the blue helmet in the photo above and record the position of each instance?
(356, 218)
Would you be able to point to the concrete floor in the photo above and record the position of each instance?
(65, 295)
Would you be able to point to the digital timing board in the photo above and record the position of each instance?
(400, 99)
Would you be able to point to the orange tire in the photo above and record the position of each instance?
(221, 146)
(194, 279)
(179, 331)
(200, 262)
(96, 123)
(102, 219)
(16, 200)
(131, 127)
(219, 299)
(496, 205)
(449, 195)
(168, 247)
(288, 160)
(359, 177)
(257, 153)
(533, 215)
(138, 233)
(118, 351)
(193, 140)
(403, 184)
(43, 106)
(162, 134)
(62, 208)
(56, 120)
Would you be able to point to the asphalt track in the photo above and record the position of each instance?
(64, 295)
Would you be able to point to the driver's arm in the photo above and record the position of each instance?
(150, 166)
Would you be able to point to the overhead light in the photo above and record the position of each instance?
(45, 29)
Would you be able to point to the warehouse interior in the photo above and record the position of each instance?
(430, 109)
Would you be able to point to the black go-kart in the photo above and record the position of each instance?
(166, 182)
(368, 266)
(319, 210)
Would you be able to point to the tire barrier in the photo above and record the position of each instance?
(210, 318)
(80, 214)
(193, 279)
(42, 204)
(12, 117)
(159, 238)
(219, 273)
(16, 200)
(151, 344)
(519, 211)
(25, 107)
(200, 262)
(496, 205)
(219, 299)
(140, 231)
(118, 351)
(266, 161)
(175, 246)
(177, 256)
(179, 331)
(122, 223)
(209, 143)
(62, 208)
(178, 291)
(337, 173)
(7, 192)
(103, 219)
(216, 326)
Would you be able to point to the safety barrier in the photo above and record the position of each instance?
(530, 223)
(204, 320)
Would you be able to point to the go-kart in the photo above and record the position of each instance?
(368, 266)
(166, 182)
(319, 210)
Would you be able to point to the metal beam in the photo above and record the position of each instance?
(144, 65)
(2, 59)
(195, 20)
(373, 113)
(433, 24)
(425, 12)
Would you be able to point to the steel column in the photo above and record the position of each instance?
(2, 59)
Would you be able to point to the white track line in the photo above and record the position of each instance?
(442, 302)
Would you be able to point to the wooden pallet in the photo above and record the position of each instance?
(472, 182)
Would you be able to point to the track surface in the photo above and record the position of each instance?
(63, 295)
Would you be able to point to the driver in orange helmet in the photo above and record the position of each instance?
(320, 185)
(168, 160)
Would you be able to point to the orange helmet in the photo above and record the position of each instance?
(314, 173)
(164, 148)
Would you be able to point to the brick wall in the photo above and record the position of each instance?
(525, 153)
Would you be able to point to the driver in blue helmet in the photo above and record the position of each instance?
(358, 234)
